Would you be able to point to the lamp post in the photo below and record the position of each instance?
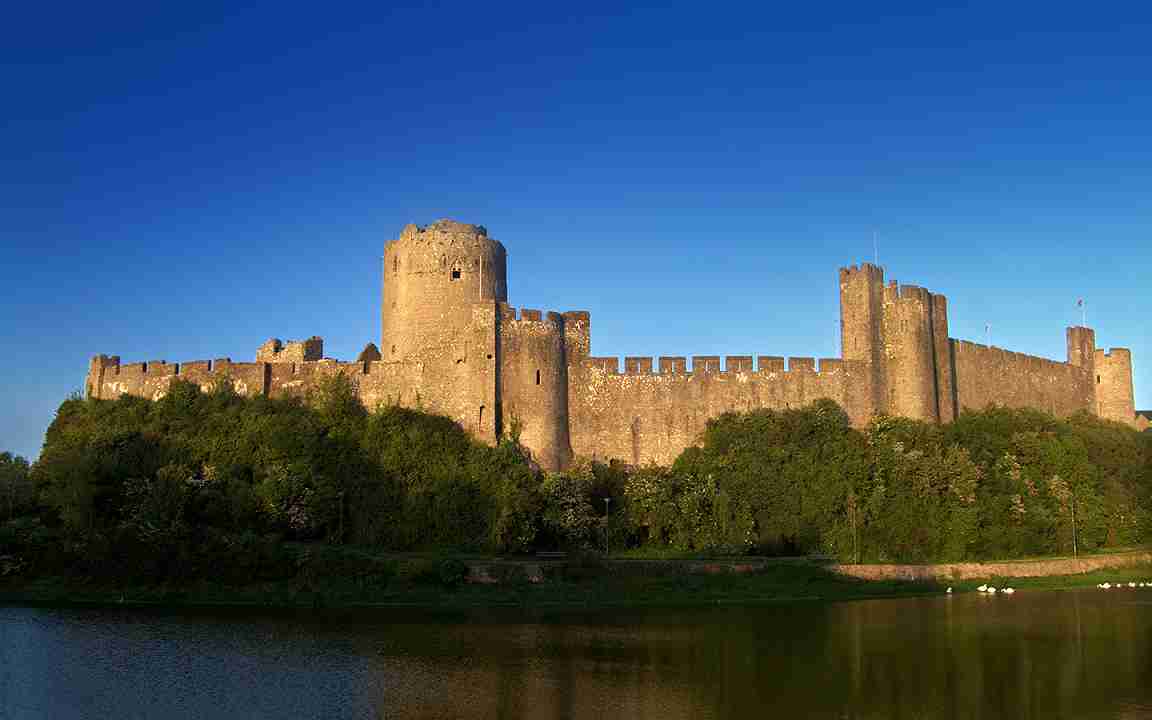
(606, 544)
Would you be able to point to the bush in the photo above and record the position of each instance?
(211, 485)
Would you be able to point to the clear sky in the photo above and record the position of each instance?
(182, 183)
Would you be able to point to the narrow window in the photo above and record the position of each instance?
(393, 349)
(395, 264)
(537, 377)
(481, 416)
(1097, 379)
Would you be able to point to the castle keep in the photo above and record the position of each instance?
(451, 344)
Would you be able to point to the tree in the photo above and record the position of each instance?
(16, 494)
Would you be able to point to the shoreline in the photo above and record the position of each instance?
(564, 586)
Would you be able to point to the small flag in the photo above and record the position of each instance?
(1080, 302)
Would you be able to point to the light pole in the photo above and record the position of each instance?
(606, 544)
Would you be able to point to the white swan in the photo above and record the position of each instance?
(982, 588)
(1008, 591)
(991, 590)
(949, 591)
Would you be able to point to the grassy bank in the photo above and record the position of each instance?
(562, 585)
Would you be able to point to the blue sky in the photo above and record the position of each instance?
(182, 184)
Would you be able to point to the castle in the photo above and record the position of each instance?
(450, 344)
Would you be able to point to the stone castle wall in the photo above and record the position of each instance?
(994, 376)
(1114, 397)
(450, 344)
(650, 412)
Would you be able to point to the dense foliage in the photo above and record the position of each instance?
(203, 484)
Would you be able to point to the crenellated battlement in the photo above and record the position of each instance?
(1116, 352)
(610, 365)
(710, 365)
(673, 365)
(450, 343)
(637, 366)
(509, 314)
(895, 292)
(863, 270)
(739, 364)
(705, 364)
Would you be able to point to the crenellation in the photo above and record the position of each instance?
(915, 292)
(159, 368)
(607, 364)
(196, 366)
(136, 368)
(705, 364)
(867, 270)
(770, 363)
(830, 365)
(738, 363)
(638, 366)
(675, 365)
(450, 343)
(802, 364)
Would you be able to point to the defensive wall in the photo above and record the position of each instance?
(451, 344)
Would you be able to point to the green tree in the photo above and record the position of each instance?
(16, 493)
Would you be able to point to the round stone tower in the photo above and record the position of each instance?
(433, 276)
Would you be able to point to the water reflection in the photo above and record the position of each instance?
(1073, 654)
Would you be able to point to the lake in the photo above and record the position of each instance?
(1082, 654)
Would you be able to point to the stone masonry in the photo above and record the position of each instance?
(451, 344)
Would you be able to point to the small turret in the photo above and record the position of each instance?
(910, 352)
(1114, 396)
(1081, 346)
(861, 310)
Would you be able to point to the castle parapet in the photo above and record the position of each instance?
(676, 365)
(831, 365)
(607, 364)
(638, 365)
(770, 363)
(705, 364)
(160, 368)
(738, 363)
(867, 270)
(802, 364)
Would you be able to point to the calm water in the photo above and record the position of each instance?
(1071, 654)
